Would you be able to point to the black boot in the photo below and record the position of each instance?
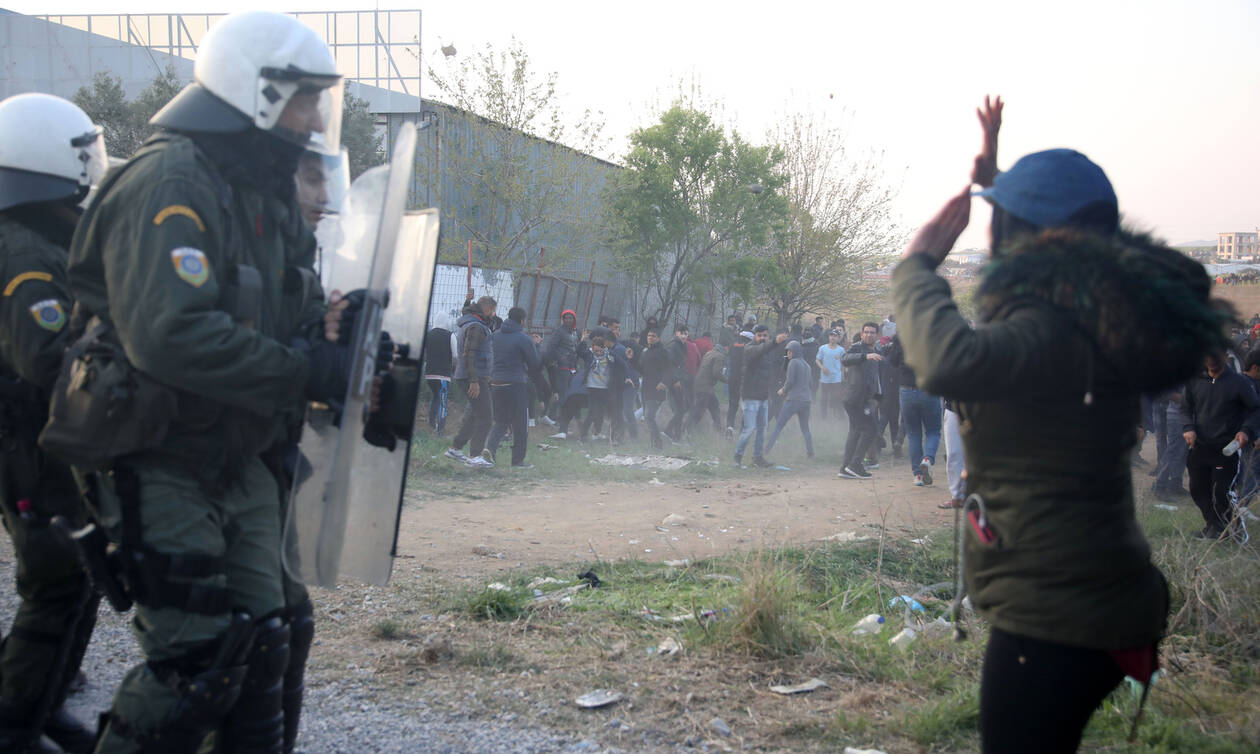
(69, 733)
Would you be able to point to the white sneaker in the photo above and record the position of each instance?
(531, 423)
(477, 462)
(456, 454)
(925, 470)
(560, 436)
(548, 421)
(599, 437)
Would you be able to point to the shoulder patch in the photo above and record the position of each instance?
(190, 265)
(179, 209)
(49, 314)
(15, 282)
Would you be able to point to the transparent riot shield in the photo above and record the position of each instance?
(352, 466)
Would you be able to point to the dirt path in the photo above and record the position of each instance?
(550, 524)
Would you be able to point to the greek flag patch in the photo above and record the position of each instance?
(190, 265)
(49, 314)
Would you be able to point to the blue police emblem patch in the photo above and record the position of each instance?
(49, 314)
(190, 265)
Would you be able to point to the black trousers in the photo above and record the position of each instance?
(706, 402)
(601, 402)
(861, 433)
(733, 408)
(511, 409)
(477, 419)
(678, 403)
(1212, 478)
(1036, 696)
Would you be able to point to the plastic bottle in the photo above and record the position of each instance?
(904, 639)
(1231, 449)
(871, 624)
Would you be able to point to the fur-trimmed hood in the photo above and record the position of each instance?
(1146, 307)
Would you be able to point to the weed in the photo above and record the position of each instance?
(496, 604)
(386, 630)
(946, 721)
(496, 657)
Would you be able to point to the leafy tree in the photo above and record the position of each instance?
(517, 191)
(125, 123)
(692, 203)
(363, 144)
(106, 104)
(839, 224)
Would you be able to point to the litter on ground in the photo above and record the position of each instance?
(662, 463)
(812, 684)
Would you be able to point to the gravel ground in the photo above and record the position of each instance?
(342, 714)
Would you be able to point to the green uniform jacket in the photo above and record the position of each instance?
(157, 254)
(35, 306)
(1063, 318)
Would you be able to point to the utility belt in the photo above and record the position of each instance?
(131, 571)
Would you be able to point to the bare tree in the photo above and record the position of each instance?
(518, 191)
(840, 223)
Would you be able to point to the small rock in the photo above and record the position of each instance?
(436, 648)
(674, 519)
(719, 725)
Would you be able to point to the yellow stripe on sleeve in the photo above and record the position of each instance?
(15, 282)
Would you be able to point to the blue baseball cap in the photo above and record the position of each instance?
(1048, 188)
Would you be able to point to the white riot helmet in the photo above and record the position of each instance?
(266, 70)
(49, 150)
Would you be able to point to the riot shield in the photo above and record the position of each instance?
(343, 510)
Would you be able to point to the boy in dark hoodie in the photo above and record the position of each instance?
(796, 397)
(515, 357)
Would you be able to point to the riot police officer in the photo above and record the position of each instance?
(196, 261)
(50, 155)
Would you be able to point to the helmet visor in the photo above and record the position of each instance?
(302, 108)
(323, 183)
(90, 148)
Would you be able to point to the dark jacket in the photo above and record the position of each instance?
(657, 368)
(896, 356)
(763, 365)
(439, 359)
(1047, 420)
(560, 347)
(861, 375)
(515, 354)
(476, 357)
(710, 373)
(36, 305)
(156, 254)
(1217, 409)
(735, 368)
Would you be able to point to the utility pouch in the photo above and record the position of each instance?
(100, 559)
(102, 407)
(242, 296)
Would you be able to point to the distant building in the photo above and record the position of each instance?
(1242, 245)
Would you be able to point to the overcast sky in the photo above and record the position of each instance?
(1164, 95)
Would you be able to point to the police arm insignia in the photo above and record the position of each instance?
(190, 265)
(49, 314)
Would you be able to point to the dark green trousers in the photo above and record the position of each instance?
(51, 583)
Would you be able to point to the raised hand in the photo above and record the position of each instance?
(937, 236)
(985, 170)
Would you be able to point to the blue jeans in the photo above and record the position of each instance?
(756, 413)
(922, 416)
(799, 409)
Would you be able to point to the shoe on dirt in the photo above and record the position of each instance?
(918, 480)
(560, 436)
(859, 473)
(951, 504)
(870, 464)
(739, 462)
(456, 454)
(925, 470)
(846, 474)
(548, 421)
(477, 462)
(1209, 533)
(522, 465)
(761, 463)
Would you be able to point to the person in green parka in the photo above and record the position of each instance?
(51, 154)
(1078, 318)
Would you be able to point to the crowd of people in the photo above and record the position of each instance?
(600, 384)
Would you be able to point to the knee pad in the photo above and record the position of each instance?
(207, 682)
(301, 634)
(256, 723)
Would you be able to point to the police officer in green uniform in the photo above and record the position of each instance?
(50, 155)
(196, 259)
